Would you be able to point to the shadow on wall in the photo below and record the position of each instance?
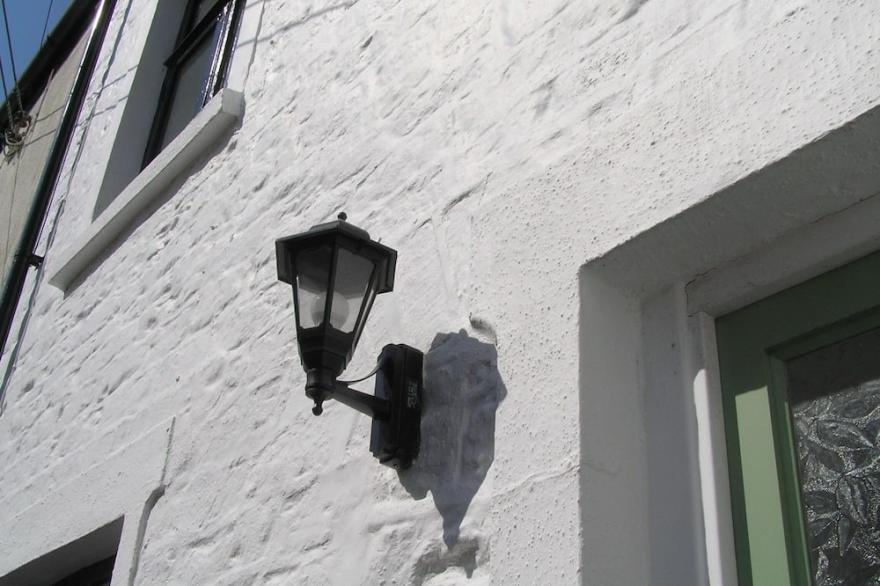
(462, 392)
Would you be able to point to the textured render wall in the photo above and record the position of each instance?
(498, 146)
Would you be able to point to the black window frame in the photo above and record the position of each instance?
(223, 20)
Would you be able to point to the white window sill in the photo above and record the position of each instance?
(216, 117)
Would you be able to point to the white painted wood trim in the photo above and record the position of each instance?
(215, 118)
(701, 356)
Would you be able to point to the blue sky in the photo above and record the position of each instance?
(26, 20)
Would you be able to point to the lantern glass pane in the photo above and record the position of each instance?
(312, 281)
(368, 303)
(353, 274)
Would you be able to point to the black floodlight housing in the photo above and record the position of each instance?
(336, 271)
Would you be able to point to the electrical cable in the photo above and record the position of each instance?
(15, 88)
(5, 90)
(20, 123)
(22, 259)
(46, 23)
(12, 135)
(363, 378)
(11, 138)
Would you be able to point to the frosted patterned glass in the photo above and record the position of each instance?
(352, 278)
(835, 399)
(312, 280)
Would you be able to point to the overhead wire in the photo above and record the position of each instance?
(11, 55)
(5, 89)
(17, 124)
(11, 138)
(46, 23)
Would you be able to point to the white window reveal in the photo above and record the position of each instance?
(177, 108)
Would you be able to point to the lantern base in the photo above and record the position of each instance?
(319, 387)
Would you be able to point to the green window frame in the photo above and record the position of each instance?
(754, 344)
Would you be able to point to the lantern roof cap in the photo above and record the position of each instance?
(286, 248)
(330, 228)
(340, 226)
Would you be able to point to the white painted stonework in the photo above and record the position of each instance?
(575, 191)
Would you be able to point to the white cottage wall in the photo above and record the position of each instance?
(498, 146)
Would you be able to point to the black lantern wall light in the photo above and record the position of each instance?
(336, 271)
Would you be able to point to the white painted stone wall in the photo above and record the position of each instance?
(498, 146)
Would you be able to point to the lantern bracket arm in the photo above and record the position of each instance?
(367, 404)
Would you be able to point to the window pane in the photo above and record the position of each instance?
(189, 88)
(835, 403)
(203, 7)
(352, 278)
